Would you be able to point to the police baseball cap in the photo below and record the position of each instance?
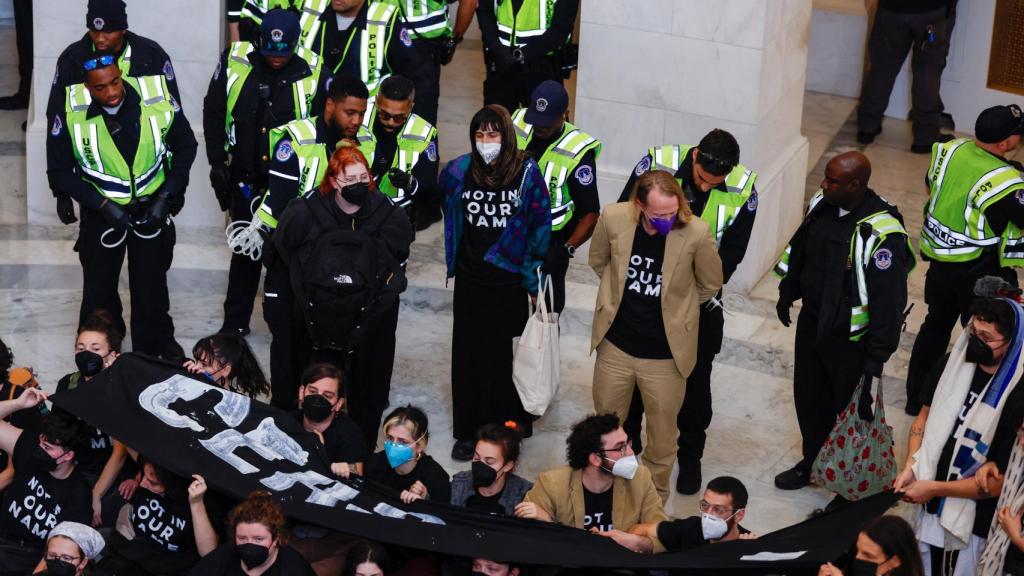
(279, 33)
(548, 104)
(106, 16)
(998, 123)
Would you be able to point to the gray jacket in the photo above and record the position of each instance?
(516, 488)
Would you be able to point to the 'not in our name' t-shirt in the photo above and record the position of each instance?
(639, 328)
(487, 213)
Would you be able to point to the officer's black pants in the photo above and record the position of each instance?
(893, 36)
(243, 273)
(148, 262)
(428, 95)
(825, 372)
(288, 344)
(512, 88)
(23, 31)
(948, 293)
(695, 415)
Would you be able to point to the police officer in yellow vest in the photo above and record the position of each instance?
(301, 150)
(973, 218)
(848, 264)
(566, 156)
(107, 24)
(722, 191)
(402, 146)
(249, 15)
(111, 150)
(254, 90)
(525, 43)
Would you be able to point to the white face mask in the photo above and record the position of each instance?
(488, 150)
(625, 467)
(713, 526)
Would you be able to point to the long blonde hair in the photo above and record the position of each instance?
(664, 182)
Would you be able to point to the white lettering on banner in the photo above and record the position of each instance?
(489, 209)
(641, 279)
(267, 440)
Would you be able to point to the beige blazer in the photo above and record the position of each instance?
(691, 274)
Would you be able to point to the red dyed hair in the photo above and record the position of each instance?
(346, 155)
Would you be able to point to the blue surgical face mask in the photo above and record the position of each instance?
(398, 454)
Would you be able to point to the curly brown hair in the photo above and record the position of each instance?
(260, 508)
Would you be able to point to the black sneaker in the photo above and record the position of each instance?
(463, 450)
(865, 137)
(793, 479)
(689, 480)
(927, 147)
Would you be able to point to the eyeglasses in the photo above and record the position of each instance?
(716, 164)
(706, 506)
(621, 450)
(396, 118)
(63, 558)
(100, 62)
(973, 331)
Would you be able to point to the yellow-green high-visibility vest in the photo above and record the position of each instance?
(101, 163)
(312, 157)
(964, 180)
(373, 45)
(239, 68)
(532, 20)
(557, 163)
(722, 207)
(309, 11)
(413, 140)
(425, 18)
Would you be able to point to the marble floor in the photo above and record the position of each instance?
(753, 435)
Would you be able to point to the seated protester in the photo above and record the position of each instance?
(954, 421)
(258, 530)
(321, 399)
(886, 545)
(404, 464)
(70, 549)
(13, 383)
(367, 559)
(603, 489)
(226, 360)
(722, 507)
(163, 529)
(46, 489)
(485, 567)
(490, 486)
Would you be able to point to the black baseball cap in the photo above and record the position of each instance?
(548, 104)
(998, 123)
(279, 33)
(106, 16)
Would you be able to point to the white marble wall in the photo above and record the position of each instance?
(836, 49)
(191, 33)
(668, 71)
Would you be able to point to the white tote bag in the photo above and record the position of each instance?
(535, 353)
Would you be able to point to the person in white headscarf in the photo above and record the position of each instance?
(70, 548)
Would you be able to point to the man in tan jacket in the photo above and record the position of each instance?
(657, 264)
(603, 489)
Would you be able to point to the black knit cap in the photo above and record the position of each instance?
(106, 16)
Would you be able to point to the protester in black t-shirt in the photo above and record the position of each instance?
(490, 485)
(226, 360)
(321, 399)
(46, 488)
(258, 530)
(404, 464)
(70, 549)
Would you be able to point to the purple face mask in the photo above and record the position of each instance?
(662, 225)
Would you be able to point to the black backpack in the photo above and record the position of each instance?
(341, 283)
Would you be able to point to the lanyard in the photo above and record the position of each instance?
(345, 53)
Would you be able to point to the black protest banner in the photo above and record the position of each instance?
(240, 445)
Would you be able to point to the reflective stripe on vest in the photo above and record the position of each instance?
(426, 18)
(964, 181)
(517, 28)
(862, 251)
(239, 68)
(722, 207)
(101, 163)
(557, 163)
(309, 21)
(412, 141)
(255, 10)
(312, 157)
(373, 45)
(781, 267)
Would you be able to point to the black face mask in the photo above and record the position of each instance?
(43, 460)
(864, 568)
(60, 568)
(316, 408)
(89, 363)
(356, 193)
(978, 352)
(483, 475)
(252, 555)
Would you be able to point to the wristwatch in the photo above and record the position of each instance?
(570, 249)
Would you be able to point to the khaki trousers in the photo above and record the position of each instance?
(662, 388)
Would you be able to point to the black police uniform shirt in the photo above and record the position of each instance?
(148, 59)
(224, 560)
(343, 440)
(425, 170)
(486, 212)
(597, 510)
(427, 471)
(685, 533)
(639, 327)
(35, 501)
(561, 26)
(94, 453)
(582, 188)
(62, 168)
(733, 245)
(28, 419)
(1010, 421)
(265, 101)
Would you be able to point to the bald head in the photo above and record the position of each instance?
(846, 179)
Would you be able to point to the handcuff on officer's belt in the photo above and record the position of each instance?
(245, 237)
(134, 227)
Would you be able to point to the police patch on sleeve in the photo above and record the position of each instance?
(175, 105)
(643, 166)
(169, 71)
(883, 259)
(752, 202)
(57, 126)
(216, 71)
(1019, 195)
(405, 37)
(327, 85)
(284, 151)
(432, 151)
(585, 175)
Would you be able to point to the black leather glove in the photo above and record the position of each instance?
(154, 216)
(66, 209)
(115, 215)
(502, 60)
(220, 180)
(782, 311)
(557, 261)
(175, 202)
(446, 51)
(403, 180)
